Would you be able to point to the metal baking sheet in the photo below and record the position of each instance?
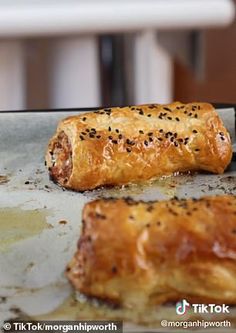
(40, 223)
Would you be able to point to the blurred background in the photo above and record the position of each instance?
(85, 53)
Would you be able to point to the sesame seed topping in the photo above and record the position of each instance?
(177, 119)
(167, 109)
(194, 131)
(128, 150)
(84, 118)
(141, 132)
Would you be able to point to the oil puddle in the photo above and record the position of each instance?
(72, 309)
(167, 185)
(17, 224)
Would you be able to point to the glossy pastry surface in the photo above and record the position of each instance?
(116, 146)
(136, 254)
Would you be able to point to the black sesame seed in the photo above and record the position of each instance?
(109, 129)
(167, 109)
(197, 149)
(185, 112)
(190, 114)
(146, 143)
(115, 142)
(176, 118)
(128, 150)
(150, 139)
(150, 133)
(117, 131)
(161, 130)
(84, 133)
(149, 115)
(84, 118)
(222, 138)
(169, 118)
(176, 144)
(160, 139)
(98, 136)
(81, 137)
(194, 131)
(195, 116)
(91, 135)
(172, 139)
(110, 137)
(151, 106)
(141, 112)
(175, 135)
(221, 133)
(120, 136)
(141, 132)
(87, 130)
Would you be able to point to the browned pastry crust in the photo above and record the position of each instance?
(117, 146)
(136, 253)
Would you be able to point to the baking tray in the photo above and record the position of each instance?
(40, 223)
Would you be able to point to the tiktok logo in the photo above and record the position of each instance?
(182, 307)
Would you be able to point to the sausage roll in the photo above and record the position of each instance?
(116, 146)
(137, 253)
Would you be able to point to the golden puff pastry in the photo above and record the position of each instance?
(116, 146)
(137, 254)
